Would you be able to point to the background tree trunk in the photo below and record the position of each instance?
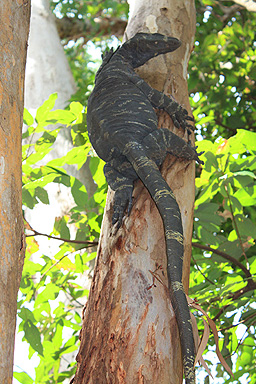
(14, 16)
(47, 72)
(129, 332)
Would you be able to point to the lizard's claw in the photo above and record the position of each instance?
(122, 200)
(180, 118)
(197, 156)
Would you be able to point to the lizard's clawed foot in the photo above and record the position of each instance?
(197, 156)
(181, 118)
(122, 201)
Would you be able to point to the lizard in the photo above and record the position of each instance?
(122, 127)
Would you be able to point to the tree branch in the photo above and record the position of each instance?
(72, 29)
(199, 270)
(250, 5)
(251, 286)
(235, 226)
(88, 243)
(225, 256)
(36, 233)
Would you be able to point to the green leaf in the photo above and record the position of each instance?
(42, 194)
(77, 155)
(25, 135)
(32, 335)
(246, 196)
(42, 182)
(242, 141)
(57, 338)
(50, 292)
(207, 212)
(60, 226)
(79, 192)
(26, 314)
(27, 199)
(245, 226)
(23, 377)
(77, 109)
(27, 117)
(47, 106)
(96, 167)
(208, 192)
(60, 116)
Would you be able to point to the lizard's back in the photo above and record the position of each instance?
(118, 111)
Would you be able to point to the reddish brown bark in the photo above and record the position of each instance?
(129, 332)
(14, 16)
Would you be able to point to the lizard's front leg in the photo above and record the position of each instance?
(120, 177)
(163, 141)
(159, 100)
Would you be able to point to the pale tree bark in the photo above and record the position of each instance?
(250, 5)
(47, 72)
(129, 332)
(14, 16)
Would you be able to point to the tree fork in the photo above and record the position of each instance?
(129, 331)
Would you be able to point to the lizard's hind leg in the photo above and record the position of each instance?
(120, 177)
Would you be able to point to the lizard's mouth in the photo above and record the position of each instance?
(166, 44)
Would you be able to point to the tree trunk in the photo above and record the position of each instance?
(14, 16)
(129, 332)
(48, 71)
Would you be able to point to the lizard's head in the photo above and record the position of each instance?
(143, 46)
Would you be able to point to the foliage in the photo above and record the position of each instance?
(90, 9)
(222, 88)
(225, 221)
(222, 69)
(49, 301)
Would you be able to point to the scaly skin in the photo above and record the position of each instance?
(122, 127)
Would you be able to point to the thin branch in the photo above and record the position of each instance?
(36, 233)
(73, 29)
(72, 298)
(219, 122)
(239, 323)
(89, 243)
(199, 270)
(225, 256)
(242, 339)
(251, 286)
(250, 5)
(228, 11)
(236, 227)
(52, 266)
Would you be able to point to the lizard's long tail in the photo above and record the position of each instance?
(166, 203)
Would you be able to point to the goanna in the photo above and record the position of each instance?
(122, 126)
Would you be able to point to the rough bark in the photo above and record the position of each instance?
(129, 332)
(14, 16)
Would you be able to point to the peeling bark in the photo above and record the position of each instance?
(129, 332)
(14, 16)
